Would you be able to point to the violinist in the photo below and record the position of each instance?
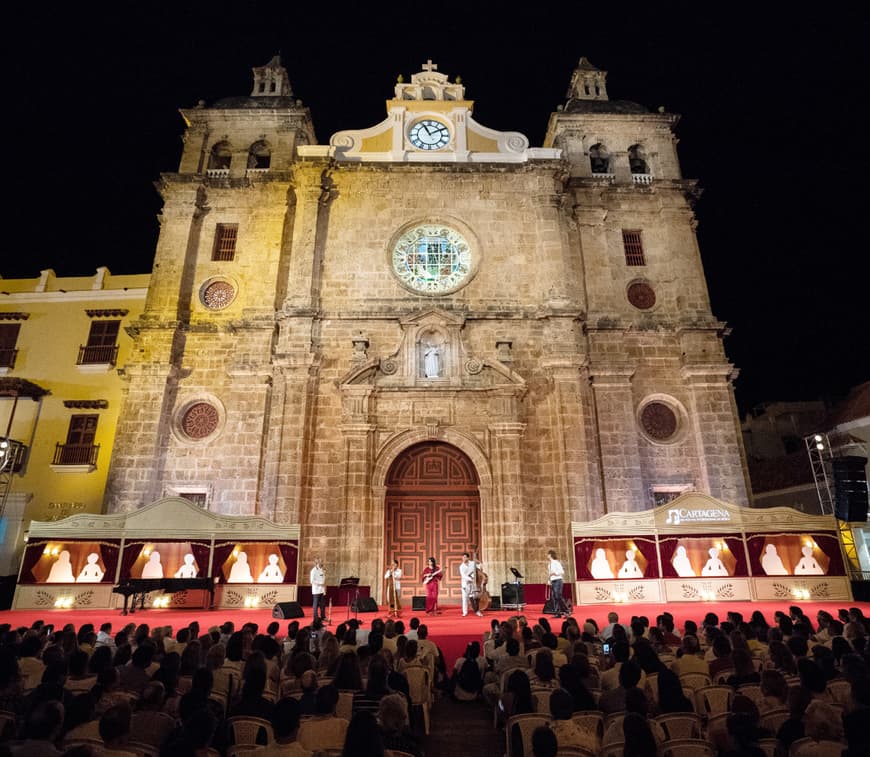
(468, 577)
(431, 577)
(393, 577)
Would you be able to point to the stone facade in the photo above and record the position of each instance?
(292, 390)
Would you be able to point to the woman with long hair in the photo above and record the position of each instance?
(431, 578)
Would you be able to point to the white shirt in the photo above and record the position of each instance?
(397, 575)
(555, 570)
(467, 574)
(318, 580)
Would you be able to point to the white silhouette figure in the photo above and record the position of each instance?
(61, 571)
(630, 568)
(431, 361)
(153, 568)
(807, 565)
(240, 573)
(771, 563)
(682, 564)
(714, 566)
(188, 570)
(600, 567)
(271, 573)
(91, 573)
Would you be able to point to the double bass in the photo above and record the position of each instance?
(479, 595)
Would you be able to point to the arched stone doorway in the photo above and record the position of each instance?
(432, 508)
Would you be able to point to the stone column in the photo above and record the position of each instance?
(506, 524)
(717, 433)
(617, 432)
(357, 542)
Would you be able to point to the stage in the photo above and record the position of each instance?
(449, 630)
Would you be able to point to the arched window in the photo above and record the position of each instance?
(599, 158)
(221, 156)
(260, 155)
(636, 160)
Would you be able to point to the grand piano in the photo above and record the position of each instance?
(138, 588)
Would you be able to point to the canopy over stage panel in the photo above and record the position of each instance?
(697, 548)
(76, 562)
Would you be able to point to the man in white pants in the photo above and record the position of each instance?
(468, 578)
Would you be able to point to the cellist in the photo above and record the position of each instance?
(393, 577)
(468, 579)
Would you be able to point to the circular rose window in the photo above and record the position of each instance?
(217, 294)
(200, 420)
(432, 259)
(641, 295)
(659, 421)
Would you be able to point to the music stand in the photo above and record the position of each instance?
(517, 576)
(351, 582)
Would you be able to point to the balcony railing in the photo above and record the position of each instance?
(256, 172)
(12, 455)
(97, 355)
(642, 178)
(75, 454)
(218, 173)
(7, 357)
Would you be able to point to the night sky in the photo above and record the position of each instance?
(771, 126)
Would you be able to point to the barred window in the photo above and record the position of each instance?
(225, 241)
(633, 248)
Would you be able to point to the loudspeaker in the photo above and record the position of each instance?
(513, 594)
(285, 610)
(850, 487)
(549, 607)
(418, 603)
(495, 603)
(364, 604)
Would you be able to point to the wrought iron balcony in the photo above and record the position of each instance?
(97, 355)
(75, 454)
(12, 455)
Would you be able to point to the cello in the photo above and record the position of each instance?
(480, 595)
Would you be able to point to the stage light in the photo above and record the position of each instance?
(818, 437)
(820, 446)
(46, 551)
(236, 552)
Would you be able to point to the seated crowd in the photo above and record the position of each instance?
(144, 691)
(736, 687)
(742, 687)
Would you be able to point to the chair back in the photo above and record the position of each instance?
(676, 725)
(694, 680)
(840, 691)
(591, 721)
(752, 691)
(141, 749)
(613, 728)
(712, 700)
(687, 748)
(772, 720)
(344, 708)
(418, 684)
(526, 724)
(243, 730)
(811, 748)
(769, 747)
(616, 749)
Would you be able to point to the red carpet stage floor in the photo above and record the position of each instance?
(449, 630)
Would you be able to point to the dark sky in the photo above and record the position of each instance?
(772, 127)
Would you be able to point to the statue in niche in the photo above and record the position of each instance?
(153, 568)
(271, 573)
(771, 563)
(240, 573)
(807, 565)
(61, 571)
(714, 566)
(188, 570)
(630, 568)
(600, 567)
(682, 564)
(431, 360)
(91, 573)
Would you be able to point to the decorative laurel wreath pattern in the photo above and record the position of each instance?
(690, 592)
(781, 590)
(44, 599)
(602, 593)
(725, 591)
(179, 598)
(821, 590)
(84, 599)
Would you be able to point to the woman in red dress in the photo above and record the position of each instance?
(431, 577)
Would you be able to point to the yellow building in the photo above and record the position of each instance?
(62, 344)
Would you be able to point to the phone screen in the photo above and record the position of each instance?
(607, 649)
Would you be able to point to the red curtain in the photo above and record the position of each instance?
(667, 547)
(32, 555)
(129, 557)
(830, 545)
(647, 547)
(582, 553)
(290, 555)
(755, 545)
(109, 555)
(735, 547)
(201, 551)
(583, 549)
(222, 552)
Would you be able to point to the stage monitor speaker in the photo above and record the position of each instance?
(850, 487)
(512, 594)
(286, 610)
(495, 603)
(364, 604)
(418, 603)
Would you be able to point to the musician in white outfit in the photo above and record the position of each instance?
(468, 578)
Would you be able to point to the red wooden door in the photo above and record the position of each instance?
(432, 509)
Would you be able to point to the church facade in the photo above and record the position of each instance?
(427, 337)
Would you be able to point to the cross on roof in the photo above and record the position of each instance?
(430, 66)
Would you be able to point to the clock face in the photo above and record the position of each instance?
(432, 259)
(429, 134)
